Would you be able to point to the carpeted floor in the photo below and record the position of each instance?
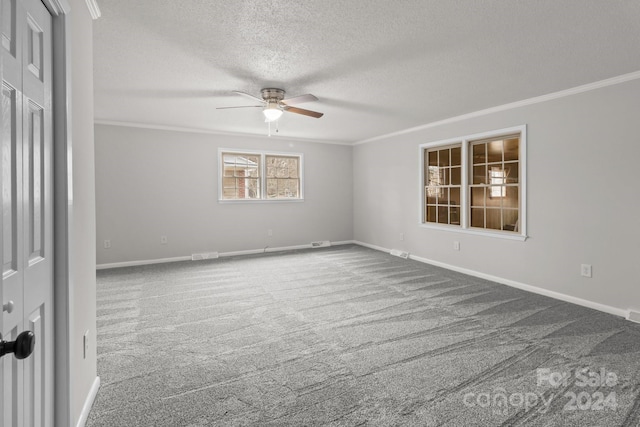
(348, 336)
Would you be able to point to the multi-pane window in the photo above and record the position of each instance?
(241, 176)
(495, 183)
(283, 177)
(475, 183)
(257, 176)
(442, 185)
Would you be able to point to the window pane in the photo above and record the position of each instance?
(454, 196)
(289, 188)
(479, 154)
(443, 215)
(456, 152)
(436, 176)
(443, 196)
(477, 217)
(272, 188)
(479, 175)
(443, 157)
(455, 176)
(433, 158)
(454, 213)
(511, 149)
(477, 196)
(252, 189)
(494, 151)
(511, 199)
(510, 219)
(496, 192)
(513, 171)
(432, 193)
(494, 220)
(431, 214)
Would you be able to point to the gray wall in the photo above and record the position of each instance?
(83, 226)
(151, 183)
(583, 202)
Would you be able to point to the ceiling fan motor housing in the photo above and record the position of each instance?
(272, 94)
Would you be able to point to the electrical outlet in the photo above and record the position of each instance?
(269, 232)
(456, 245)
(585, 270)
(85, 342)
(107, 244)
(401, 237)
(163, 240)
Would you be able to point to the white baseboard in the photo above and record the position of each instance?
(220, 255)
(525, 287)
(88, 403)
(142, 262)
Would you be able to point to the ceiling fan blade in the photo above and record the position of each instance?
(303, 112)
(248, 95)
(299, 99)
(241, 106)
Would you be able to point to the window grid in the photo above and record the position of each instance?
(492, 185)
(259, 176)
(442, 186)
(241, 176)
(283, 177)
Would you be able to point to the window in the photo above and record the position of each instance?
(283, 177)
(476, 183)
(244, 178)
(443, 184)
(241, 177)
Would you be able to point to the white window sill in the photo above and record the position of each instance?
(507, 235)
(240, 201)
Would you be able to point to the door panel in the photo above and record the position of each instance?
(11, 375)
(26, 393)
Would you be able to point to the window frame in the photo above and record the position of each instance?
(262, 179)
(465, 143)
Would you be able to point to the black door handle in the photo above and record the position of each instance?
(22, 347)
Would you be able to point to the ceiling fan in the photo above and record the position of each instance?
(274, 104)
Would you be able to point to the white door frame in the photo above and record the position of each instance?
(63, 207)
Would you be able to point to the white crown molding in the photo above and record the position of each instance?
(213, 132)
(94, 10)
(535, 100)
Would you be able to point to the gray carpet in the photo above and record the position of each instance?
(348, 336)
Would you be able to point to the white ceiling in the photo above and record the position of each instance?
(376, 66)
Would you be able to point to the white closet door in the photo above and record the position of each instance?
(26, 393)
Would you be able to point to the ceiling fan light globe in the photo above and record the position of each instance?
(271, 114)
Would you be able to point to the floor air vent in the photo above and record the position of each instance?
(206, 255)
(320, 244)
(401, 254)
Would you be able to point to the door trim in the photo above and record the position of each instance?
(62, 210)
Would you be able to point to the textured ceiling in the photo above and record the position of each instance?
(376, 66)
